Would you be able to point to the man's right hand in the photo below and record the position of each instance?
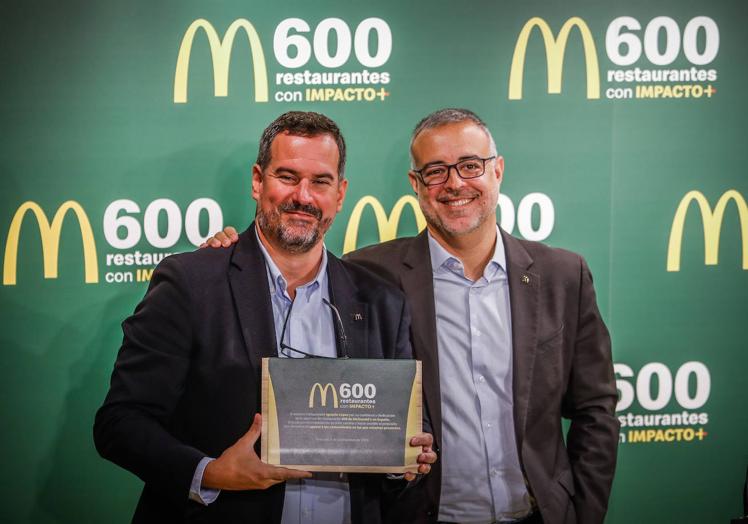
(222, 239)
(239, 467)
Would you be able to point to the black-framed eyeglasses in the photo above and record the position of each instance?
(436, 174)
(341, 335)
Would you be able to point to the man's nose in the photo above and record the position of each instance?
(454, 181)
(303, 192)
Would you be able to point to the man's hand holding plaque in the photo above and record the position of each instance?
(240, 468)
(425, 458)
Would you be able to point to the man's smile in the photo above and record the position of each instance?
(457, 201)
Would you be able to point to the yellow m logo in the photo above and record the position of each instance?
(387, 225)
(554, 51)
(323, 395)
(50, 236)
(712, 222)
(220, 50)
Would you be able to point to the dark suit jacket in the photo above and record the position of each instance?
(187, 377)
(562, 368)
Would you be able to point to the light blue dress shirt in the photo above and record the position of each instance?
(482, 480)
(325, 497)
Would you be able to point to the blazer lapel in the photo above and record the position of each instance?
(417, 281)
(353, 314)
(524, 296)
(249, 288)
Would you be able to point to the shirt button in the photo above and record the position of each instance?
(488, 424)
(481, 379)
(493, 472)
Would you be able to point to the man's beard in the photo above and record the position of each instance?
(289, 238)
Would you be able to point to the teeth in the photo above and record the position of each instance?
(455, 203)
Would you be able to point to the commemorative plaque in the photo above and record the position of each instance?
(348, 415)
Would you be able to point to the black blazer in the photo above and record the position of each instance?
(562, 367)
(186, 381)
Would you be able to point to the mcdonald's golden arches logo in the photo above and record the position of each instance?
(50, 237)
(323, 394)
(220, 51)
(387, 225)
(555, 49)
(712, 222)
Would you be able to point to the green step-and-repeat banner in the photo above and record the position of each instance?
(129, 130)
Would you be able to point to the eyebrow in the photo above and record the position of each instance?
(443, 162)
(293, 172)
(286, 170)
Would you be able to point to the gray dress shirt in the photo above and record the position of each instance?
(482, 480)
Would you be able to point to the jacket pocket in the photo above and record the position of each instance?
(552, 337)
(566, 479)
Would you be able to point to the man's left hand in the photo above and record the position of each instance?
(426, 457)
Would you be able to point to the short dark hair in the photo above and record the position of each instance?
(450, 115)
(301, 123)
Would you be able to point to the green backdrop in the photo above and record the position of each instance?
(654, 111)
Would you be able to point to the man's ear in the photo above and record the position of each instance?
(499, 168)
(342, 188)
(413, 179)
(257, 180)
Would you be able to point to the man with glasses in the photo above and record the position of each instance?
(185, 386)
(511, 341)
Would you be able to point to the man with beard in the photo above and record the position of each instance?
(511, 341)
(185, 385)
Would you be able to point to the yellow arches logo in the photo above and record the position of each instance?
(712, 223)
(50, 236)
(323, 395)
(220, 50)
(387, 225)
(554, 51)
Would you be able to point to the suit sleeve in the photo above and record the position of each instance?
(130, 428)
(590, 401)
(403, 348)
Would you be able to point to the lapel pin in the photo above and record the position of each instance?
(358, 316)
(525, 279)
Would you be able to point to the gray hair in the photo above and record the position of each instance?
(446, 116)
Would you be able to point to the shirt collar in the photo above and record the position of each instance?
(441, 258)
(277, 280)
